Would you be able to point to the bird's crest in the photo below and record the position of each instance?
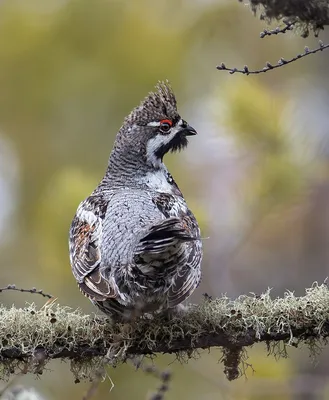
(157, 105)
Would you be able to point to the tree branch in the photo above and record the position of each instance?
(311, 14)
(32, 291)
(279, 64)
(29, 338)
(288, 26)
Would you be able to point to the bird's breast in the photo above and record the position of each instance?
(128, 213)
(160, 181)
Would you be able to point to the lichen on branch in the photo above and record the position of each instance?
(311, 14)
(30, 337)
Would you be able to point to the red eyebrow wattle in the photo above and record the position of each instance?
(166, 121)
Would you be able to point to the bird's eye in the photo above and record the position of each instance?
(165, 125)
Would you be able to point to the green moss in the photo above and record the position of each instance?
(37, 335)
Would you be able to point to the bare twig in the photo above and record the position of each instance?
(7, 385)
(288, 27)
(309, 15)
(151, 369)
(33, 291)
(163, 376)
(282, 62)
(93, 387)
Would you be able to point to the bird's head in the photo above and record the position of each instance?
(154, 127)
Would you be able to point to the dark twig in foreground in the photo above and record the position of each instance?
(93, 386)
(282, 62)
(163, 376)
(151, 369)
(33, 291)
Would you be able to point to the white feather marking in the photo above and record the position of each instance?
(159, 140)
(86, 216)
(153, 123)
(157, 180)
(91, 219)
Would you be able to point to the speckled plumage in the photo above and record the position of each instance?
(134, 244)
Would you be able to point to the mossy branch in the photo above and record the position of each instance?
(30, 337)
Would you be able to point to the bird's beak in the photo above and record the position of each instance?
(188, 130)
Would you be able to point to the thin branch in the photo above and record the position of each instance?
(33, 291)
(93, 386)
(288, 26)
(7, 385)
(282, 62)
(163, 376)
(309, 15)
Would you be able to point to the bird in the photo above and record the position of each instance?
(135, 246)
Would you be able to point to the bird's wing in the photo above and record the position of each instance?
(187, 278)
(85, 255)
(162, 235)
(169, 230)
(160, 248)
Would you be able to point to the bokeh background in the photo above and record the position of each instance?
(256, 176)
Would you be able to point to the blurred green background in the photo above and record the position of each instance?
(257, 175)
